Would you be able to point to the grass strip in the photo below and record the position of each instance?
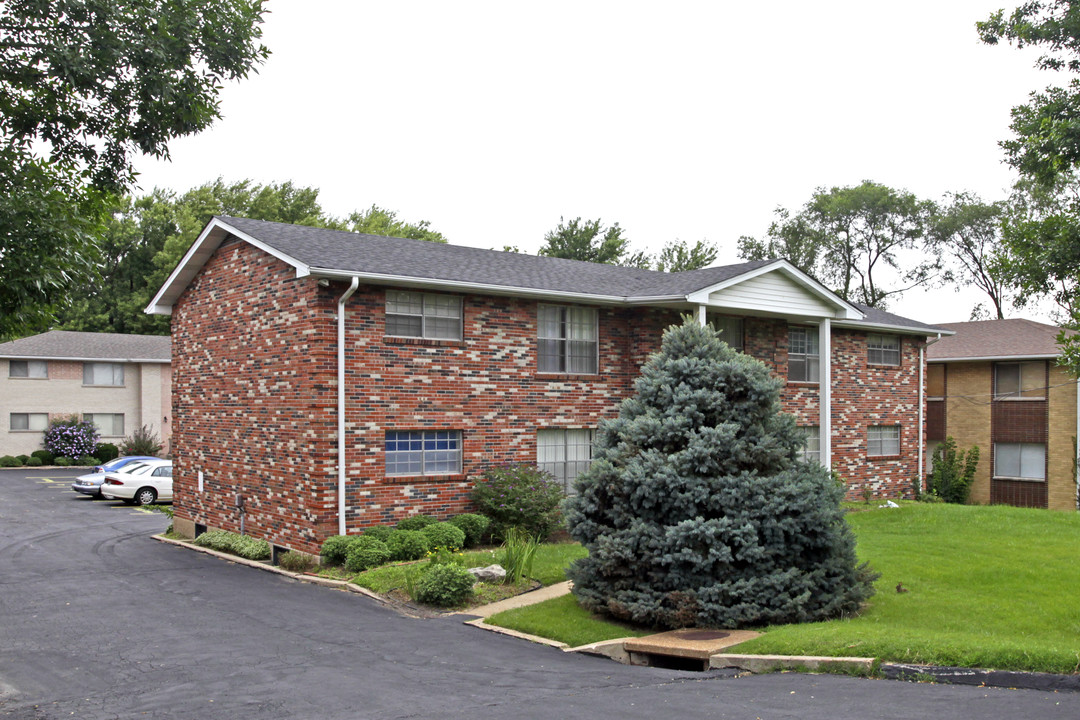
(564, 620)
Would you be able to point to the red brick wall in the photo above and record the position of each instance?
(254, 395)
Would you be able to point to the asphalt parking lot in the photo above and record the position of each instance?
(98, 620)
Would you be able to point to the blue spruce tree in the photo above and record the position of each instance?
(698, 512)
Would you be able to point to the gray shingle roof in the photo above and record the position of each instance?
(874, 316)
(1015, 337)
(61, 344)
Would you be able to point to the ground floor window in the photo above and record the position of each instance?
(564, 454)
(812, 450)
(31, 422)
(108, 424)
(1020, 461)
(883, 440)
(423, 452)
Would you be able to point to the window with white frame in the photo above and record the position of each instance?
(423, 315)
(28, 368)
(1020, 380)
(423, 452)
(803, 357)
(107, 374)
(811, 451)
(564, 454)
(108, 424)
(731, 330)
(1020, 461)
(28, 422)
(883, 440)
(883, 349)
(567, 340)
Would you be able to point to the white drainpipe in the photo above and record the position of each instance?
(922, 403)
(341, 401)
(825, 391)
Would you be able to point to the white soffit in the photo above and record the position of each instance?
(776, 289)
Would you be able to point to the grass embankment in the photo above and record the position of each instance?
(987, 587)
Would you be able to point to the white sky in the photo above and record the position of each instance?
(678, 119)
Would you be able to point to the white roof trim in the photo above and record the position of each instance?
(986, 358)
(85, 359)
(209, 240)
(850, 312)
(898, 329)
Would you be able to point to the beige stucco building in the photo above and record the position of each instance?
(996, 384)
(118, 382)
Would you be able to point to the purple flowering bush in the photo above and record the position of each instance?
(70, 437)
(520, 496)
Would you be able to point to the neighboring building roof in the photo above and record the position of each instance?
(70, 345)
(343, 255)
(994, 339)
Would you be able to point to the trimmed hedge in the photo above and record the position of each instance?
(242, 545)
(408, 545)
(46, 456)
(366, 552)
(444, 535)
(379, 532)
(9, 461)
(416, 522)
(473, 525)
(336, 548)
(444, 586)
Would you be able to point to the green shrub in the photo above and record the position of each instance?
(34, 462)
(9, 461)
(379, 532)
(517, 554)
(45, 456)
(408, 545)
(296, 562)
(474, 526)
(416, 522)
(444, 586)
(366, 552)
(23, 458)
(106, 452)
(336, 549)
(166, 510)
(696, 510)
(143, 441)
(444, 535)
(86, 461)
(242, 545)
(62, 461)
(520, 496)
(70, 437)
(953, 473)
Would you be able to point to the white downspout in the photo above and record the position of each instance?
(825, 391)
(922, 404)
(341, 402)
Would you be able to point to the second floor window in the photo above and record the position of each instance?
(802, 354)
(110, 374)
(883, 349)
(423, 315)
(1020, 380)
(567, 340)
(28, 369)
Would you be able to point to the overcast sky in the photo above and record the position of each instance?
(681, 120)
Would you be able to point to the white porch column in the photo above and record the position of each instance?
(825, 390)
(701, 315)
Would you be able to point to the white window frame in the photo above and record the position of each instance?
(881, 349)
(876, 438)
(422, 453)
(1029, 455)
(95, 419)
(809, 356)
(561, 323)
(32, 419)
(430, 309)
(90, 373)
(1036, 366)
(811, 450)
(31, 369)
(559, 453)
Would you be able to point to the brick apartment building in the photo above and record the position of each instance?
(995, 384)
(455, 359)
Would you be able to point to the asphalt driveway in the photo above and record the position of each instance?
(98, 620)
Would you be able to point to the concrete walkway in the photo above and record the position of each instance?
(529, 598)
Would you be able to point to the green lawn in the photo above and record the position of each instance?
(988, 587)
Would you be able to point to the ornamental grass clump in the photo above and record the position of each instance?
(521, 496)
(70, 437)
(697, 511)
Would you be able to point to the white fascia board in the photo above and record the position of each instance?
(488, 288)
(197, 255)
(850, 312)
(71, 358)
(992, 358)
(895, 329)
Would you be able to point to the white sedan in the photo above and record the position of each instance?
(144, 487)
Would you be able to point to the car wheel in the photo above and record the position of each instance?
(145, 496)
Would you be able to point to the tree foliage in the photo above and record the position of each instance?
(679, 256)
(85, 87)
(968, 231)
(953, 473)
(591, 241)
(696, 510)
(852, 238)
